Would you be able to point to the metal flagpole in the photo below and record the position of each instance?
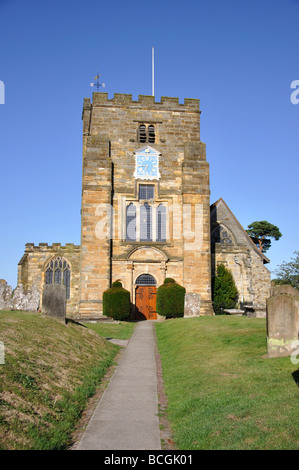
(153, 71)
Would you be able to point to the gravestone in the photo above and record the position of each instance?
(54, 301)
(192, 305)
(282, 321)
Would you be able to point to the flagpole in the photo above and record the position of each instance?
(153, 71)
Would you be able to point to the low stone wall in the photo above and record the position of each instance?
(18, 299)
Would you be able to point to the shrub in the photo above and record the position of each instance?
(225, 293)
(169, 280)
(116, 302)
(170, 299)
(116, 284)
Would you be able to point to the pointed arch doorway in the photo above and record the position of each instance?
(145, 297)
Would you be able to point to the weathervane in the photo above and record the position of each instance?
(97, 84)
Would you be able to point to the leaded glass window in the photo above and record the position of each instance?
(58, 271)
(131, 223)
(145, 223)
(145, 280)
(146, 191)
(161, 223)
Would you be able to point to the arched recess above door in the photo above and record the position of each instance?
(146, 253)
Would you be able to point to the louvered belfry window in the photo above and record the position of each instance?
(142, 134)
(151, 134)
(131, 223)
(146, 134)
(58, 271)
(145, 223)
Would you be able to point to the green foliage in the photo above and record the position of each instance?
(169, 280)
(170, 299)
(288, 273)
(116, 302)
(116, 284)
(225, 292)
(260, 232)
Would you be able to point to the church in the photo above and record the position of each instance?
(146, 215)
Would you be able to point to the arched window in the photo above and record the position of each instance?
(142, 134)
(58, 271)
(145, 223)
(146, 133)
(151, 134)
(145, 280)
(161, 223)
(131, 223)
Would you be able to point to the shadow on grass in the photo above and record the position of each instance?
(295, 376)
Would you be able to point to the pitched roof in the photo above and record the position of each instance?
(219, 201)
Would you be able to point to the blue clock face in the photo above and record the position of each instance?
(147, 165)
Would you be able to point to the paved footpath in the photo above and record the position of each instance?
(126, 417)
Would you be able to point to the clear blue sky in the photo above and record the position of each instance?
(238, 57)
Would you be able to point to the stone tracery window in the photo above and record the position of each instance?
(58, 271)
(146, 223)
(131, 223)
(161, 223)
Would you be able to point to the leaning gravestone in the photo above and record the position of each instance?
(282, 321)
(54, 301)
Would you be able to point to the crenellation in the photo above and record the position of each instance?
(115, 133)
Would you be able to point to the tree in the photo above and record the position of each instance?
(261, 234)
(225, 293)
(288, 273)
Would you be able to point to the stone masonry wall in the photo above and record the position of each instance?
(110, 130)
(31, 269)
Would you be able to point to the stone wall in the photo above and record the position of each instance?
(232, 247)
(18, 299)
(32, 266)
(110, 140)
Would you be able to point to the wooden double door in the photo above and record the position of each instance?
(145, 302)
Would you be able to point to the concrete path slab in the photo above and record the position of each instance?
(126, 417)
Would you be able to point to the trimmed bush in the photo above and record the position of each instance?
(116, 284)
(116, 302)
(170, 299)
(169, 280)
(225, 293)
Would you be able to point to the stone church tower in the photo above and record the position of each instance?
(145, 200)
(146, 215)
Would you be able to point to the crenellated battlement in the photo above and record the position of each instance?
(101, 99)
(31, 247)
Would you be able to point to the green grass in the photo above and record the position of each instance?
(50, 372)
(120, 330)
(223, 392)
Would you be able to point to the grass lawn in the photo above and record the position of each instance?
(120, 330)
(223, 392)
(50, 371)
